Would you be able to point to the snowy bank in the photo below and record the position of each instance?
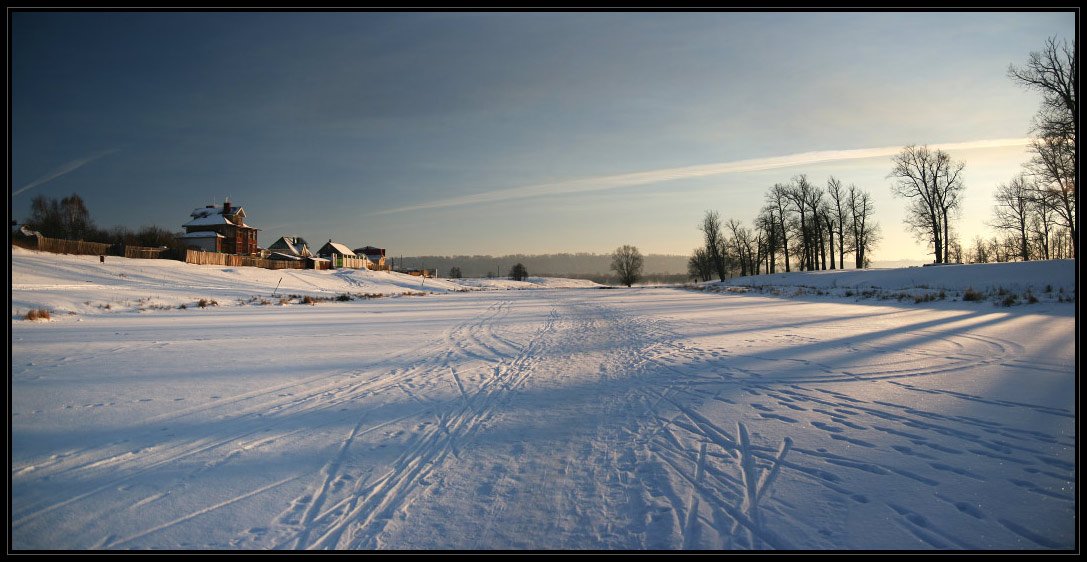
(1052, 280)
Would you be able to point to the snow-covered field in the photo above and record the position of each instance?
(546, 419)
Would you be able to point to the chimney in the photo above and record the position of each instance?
(226, 206)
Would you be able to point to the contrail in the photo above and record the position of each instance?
(66, 168)
(599, 183)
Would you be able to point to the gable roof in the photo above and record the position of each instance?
(333, 247)
(293, 244)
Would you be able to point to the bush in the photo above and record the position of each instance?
(971, 295)
(38, 314)
(344, 297)
(204, 303)
(1010, 300)
(1031, 298)
(309, 300)
(518, 273)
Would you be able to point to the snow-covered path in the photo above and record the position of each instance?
(550, 419)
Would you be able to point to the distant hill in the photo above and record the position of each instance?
(554, 265)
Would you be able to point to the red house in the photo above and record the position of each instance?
(223, 230)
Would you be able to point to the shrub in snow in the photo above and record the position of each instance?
(38, 314)
(971, 295)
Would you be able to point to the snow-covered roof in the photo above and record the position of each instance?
(210, 220)
(208, 213)
(202, 234)
(338, 248)
(282, 256)
(205, 211)
(292, 244)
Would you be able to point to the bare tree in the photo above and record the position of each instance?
(627, 262)
(839, 207)
(1054, 169)
(804, 197)
(981, 251)
(932, 181)
(1042, 223)
(700, 265)
(767, 225)
(865, 231)
(742, 241)
(715, 243)
(1012, 211)
(67, 218)
(777, 202)
(1052, 71)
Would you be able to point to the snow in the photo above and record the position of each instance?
(644, 418)
(1034, 275)
(210, 220)
(528, 283)
(202, 234)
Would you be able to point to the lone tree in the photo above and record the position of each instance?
(627, 263)
(519, 273)
(932, 181)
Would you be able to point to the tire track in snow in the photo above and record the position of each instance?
(276, 409)
(360, 526)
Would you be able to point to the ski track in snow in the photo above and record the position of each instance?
(758, 441)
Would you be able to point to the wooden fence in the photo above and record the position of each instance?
(349, 262)
(199, 257)
(143, 252)
(79, 247)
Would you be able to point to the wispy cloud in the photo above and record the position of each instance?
(66, 168)
(599, 183)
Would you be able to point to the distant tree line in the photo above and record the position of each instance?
(800, 224)
(68, 218)
(575, 265)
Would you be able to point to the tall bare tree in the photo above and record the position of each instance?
(865, 230)
(1013, 211)
(777, 202)
(838, 206)
(1054, 169)
(1052, 72)
(932, 181)
(714, 240)
(627, 263)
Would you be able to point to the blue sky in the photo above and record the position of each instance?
(474, 133)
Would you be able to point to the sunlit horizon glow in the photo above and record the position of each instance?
(507, 133)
